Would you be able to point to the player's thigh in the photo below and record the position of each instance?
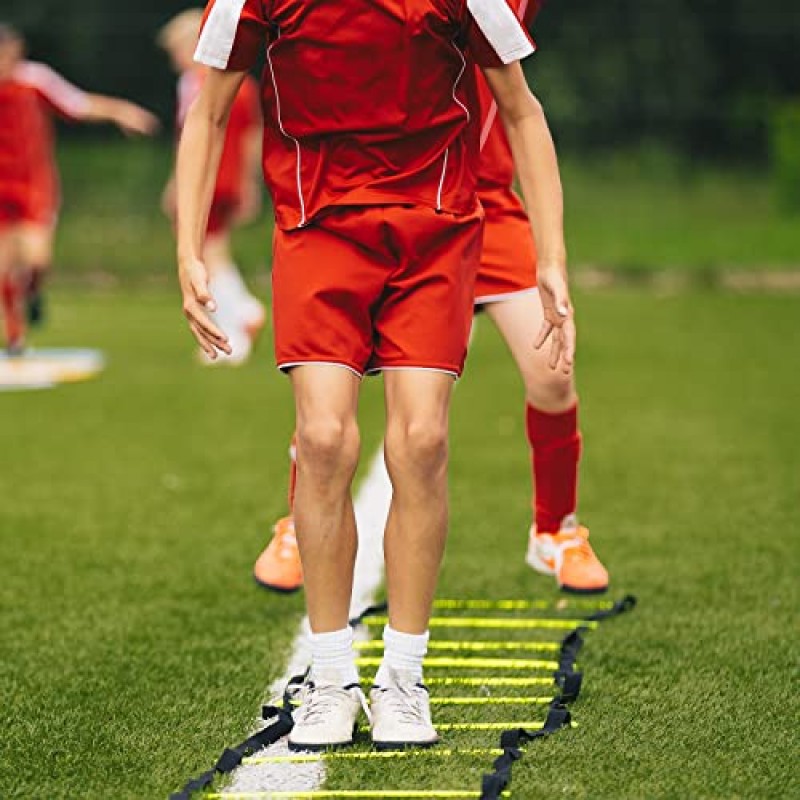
(324, 390)
(519, 319)
(326, 401)
(417, 415)
(36, 245)
(7, 250)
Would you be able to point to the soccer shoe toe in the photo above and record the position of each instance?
(401, 716)
(588, 577)
(403, 739)
(315, 742)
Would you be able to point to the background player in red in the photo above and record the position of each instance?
(370, 158)
(237, 194)
(506, 290)
(30, 93)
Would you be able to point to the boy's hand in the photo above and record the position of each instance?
(134, 120)
(559, 322)
(197, 304)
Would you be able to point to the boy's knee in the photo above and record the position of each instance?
(418, 444)
(549, 389)
(330, 442)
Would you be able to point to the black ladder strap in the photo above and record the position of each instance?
(511, 742)
(232, 757)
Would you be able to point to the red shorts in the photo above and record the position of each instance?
(376, 287)
(221, 214)
(508, 260)
(28, 207)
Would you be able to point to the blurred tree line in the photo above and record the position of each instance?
(698, 76)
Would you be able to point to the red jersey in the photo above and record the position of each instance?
(496, 162)
(27, 101)
(245, 116)
(366, 101)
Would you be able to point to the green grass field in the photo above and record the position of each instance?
(135, 645)
(630, 211)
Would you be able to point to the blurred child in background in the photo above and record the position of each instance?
(30, 93)
(237, 195)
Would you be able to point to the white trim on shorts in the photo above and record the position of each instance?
(499, 298)
(287, 365)
(376, 370)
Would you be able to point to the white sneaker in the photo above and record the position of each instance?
(401, 714)
(327, 715)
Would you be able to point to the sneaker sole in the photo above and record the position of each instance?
(535, 563)
(322, 746)
(580, 590)
(275, 588)
(383, 746)
(318, 748)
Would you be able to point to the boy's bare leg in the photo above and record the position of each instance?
(36, 254)
(417, 418)
(11, 311)
(36, 246)
(417, 412)
(217, 253)
(326, 398)
(519, 319)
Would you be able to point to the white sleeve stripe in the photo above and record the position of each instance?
(219, 33)
(501, 28)
(58, 91)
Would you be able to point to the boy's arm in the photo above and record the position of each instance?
(127, 116)
(199, 155)
(75, 104)
(536, 165)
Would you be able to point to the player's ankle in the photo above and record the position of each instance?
(332, 657)
(403, 653)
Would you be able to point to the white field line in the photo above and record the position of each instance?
(372, 507)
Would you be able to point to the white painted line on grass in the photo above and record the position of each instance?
(371, 507)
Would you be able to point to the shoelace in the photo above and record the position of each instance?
(407, 700)
(319, 701)
(287, 543)
(362, 698)
(579, 548)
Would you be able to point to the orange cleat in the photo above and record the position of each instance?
(278, 567)
(569, 557)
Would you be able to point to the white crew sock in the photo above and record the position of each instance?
(404, 652)
(332, 657)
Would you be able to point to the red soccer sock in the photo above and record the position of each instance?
(556, 444)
